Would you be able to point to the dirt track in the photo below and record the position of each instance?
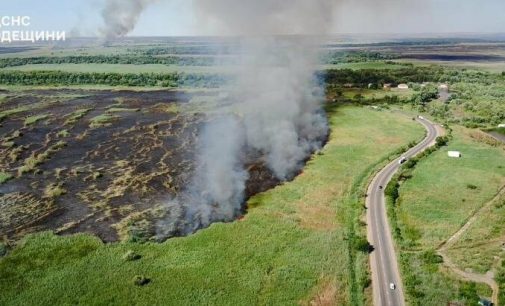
(487, 278)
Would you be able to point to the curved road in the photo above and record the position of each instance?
(383, 261)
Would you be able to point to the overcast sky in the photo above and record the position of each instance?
(175, 17)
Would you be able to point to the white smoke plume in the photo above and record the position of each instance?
(217, 190)
(266, 17)
(276, 101)
(121, 16)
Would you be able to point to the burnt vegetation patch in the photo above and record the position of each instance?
(100, 162)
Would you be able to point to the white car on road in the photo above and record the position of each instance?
(392, 286)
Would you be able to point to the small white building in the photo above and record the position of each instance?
(403, 86)
(501, 125)
(454, 154)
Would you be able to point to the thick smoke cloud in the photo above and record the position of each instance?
(276, 106)
(266, 17)
(216, 192)
(121, 16)
(280, 101)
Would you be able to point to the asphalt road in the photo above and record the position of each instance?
(383, 260)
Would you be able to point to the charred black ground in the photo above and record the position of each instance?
(101, 162)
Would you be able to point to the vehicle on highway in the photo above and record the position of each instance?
(385, 264)
(402, 160)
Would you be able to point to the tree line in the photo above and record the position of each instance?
(151, 56)
(332, 57)
(36, 78)
(408, 74)
(107, 59)
(333, 77)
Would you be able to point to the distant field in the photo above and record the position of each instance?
(364, 65)
(289, 249)
(157, 68)
(118, 68)
(494, 67)
(66, 51)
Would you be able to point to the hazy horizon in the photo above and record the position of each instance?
(176, 18)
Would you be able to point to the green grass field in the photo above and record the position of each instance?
(481, 247)
(482, 253)
(350, 93)
(97, 49)
(435, 203)
(438, 200)
(290, 248)
(493, 67)
(159, 68)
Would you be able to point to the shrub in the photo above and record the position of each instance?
(8, 144)
(131, 256)
(405, 175)
(411, 163)
(442, 141)
(392, 190)
(4, 177)
(140, 280)
(96, 175)
(362, 245)
(102, 120)
(63, 134)
(431, 257)
(471, 186)
(3, 250)
(54, 191)
(468, 291)
(139, 231)
(366, 282)
(34, 119)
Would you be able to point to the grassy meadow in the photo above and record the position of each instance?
(377, 94)
(493, 67)
(160, 68)
(292, 247)
(440, 197)
(481, 247)
(444, 192)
